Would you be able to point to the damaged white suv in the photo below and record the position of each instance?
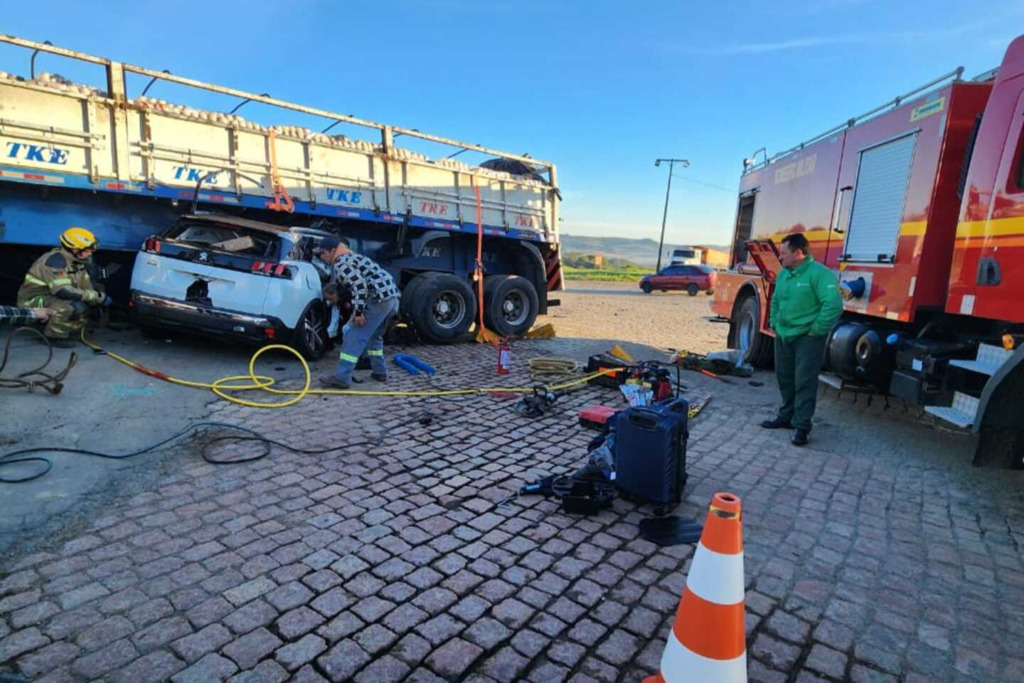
(232, 277)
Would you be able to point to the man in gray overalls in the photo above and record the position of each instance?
(374, 301)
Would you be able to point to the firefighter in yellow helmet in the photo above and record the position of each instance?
(58, 280)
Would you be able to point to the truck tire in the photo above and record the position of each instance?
(510, 305)
(409, 295)
(692, 289)
(310, 335)
(746, 321)
(441, 307)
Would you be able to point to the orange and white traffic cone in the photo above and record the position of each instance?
(707, 643)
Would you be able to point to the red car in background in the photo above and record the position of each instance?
(693, 279)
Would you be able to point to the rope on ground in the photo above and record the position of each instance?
(31, 455)
(552, 368)
(35, 377)
(225, 386)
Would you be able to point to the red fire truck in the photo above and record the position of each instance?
(919, 206)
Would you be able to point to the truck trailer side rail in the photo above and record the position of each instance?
(56, 133)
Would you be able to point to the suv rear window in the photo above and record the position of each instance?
(226, 238)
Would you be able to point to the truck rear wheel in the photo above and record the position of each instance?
(746, 323)
(440, 306)
(510, 305)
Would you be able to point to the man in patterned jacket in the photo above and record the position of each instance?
(23, 316)
(374, 301)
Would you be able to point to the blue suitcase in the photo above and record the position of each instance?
(650, 452)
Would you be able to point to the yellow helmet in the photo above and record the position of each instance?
(75, 239)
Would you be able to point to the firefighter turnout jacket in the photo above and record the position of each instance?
(57, 274)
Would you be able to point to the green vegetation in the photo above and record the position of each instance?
(577, 266)
(592, 275)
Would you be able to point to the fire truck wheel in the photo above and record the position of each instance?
(692, 289)
(1000, 447)
(510, 305)
(746, 321)
(441, 306)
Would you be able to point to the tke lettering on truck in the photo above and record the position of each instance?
(131, 167)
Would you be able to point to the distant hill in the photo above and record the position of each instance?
(640, 251)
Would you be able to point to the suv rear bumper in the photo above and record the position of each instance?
(147, 309)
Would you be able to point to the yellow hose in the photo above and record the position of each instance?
(252, 381)
(550, 368)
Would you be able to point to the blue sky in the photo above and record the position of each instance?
(599, 88)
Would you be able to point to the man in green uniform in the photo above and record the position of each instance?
(805, 304)
(58, 280)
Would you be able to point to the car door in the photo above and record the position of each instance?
(684, 276)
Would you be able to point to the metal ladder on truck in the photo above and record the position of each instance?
(964, 410)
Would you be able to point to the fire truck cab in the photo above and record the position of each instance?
(919, 207)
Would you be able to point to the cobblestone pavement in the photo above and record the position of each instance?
(877, 554)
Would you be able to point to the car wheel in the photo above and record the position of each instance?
(709, 292)
(646, 287)
(441, 307)
(692, 289)
(510, 304)
(310, 336)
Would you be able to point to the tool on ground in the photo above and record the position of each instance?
(576, 494)
(412, 364)
(253, 382)
(30, 379)
(716, 366)
(708, 373)
(671, 530)
(603, 362)
(596, 417)
(504, 357)
(697, 406)
(650, 453)
(708, 639)
(653, 375)
(537, 404)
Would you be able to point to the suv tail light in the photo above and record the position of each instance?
(278, 270)
(151, 245)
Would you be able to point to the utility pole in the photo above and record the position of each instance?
(664, 216)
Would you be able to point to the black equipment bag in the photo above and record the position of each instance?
(650, 452)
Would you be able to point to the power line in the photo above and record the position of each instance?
(706, 184)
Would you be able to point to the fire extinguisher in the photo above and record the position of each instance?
(504, 358)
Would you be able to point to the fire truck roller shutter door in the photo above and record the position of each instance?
(881, 190)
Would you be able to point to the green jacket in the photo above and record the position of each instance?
(806, 300)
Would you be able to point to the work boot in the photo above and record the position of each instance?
(378, 377)
(777, 423)
(62, 342)
(800, 438)
(332, 382)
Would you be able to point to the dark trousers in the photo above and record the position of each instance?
(797, 364)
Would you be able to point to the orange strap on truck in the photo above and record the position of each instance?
(282, 200)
